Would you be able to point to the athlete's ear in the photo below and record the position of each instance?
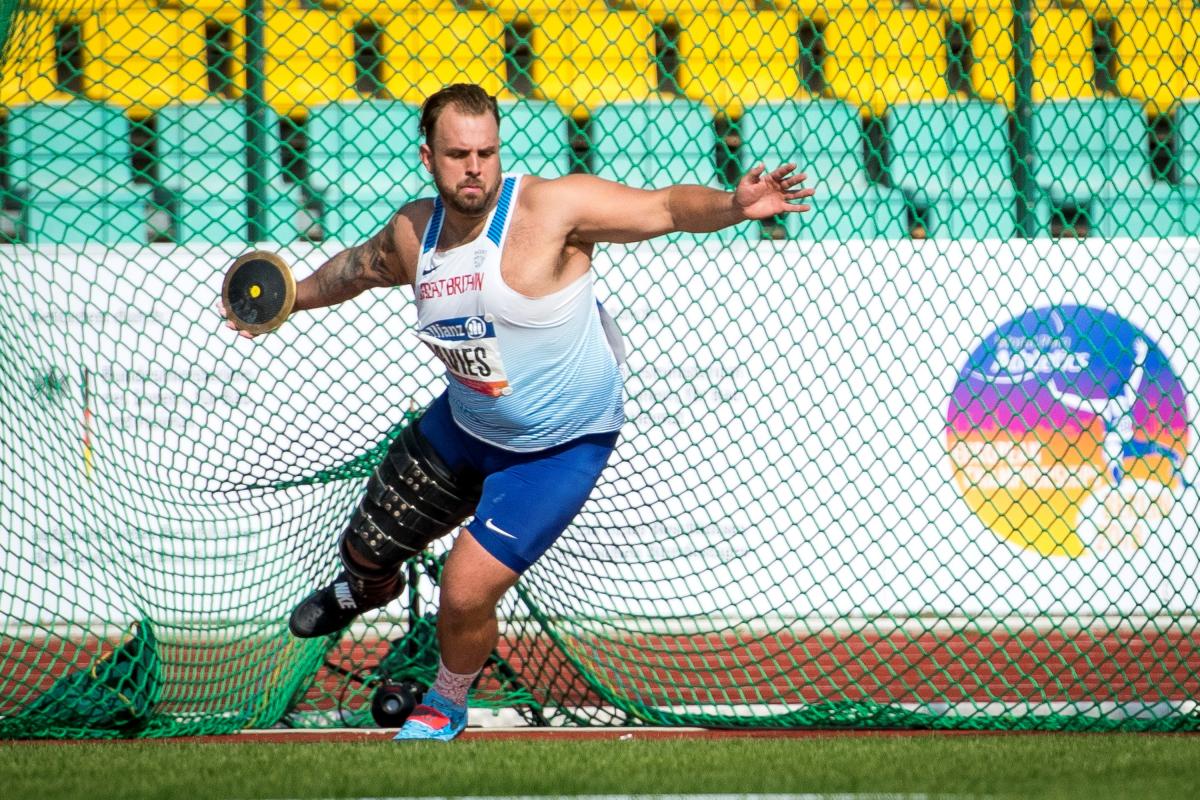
(427, 157)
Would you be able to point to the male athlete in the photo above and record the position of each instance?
(500, 266)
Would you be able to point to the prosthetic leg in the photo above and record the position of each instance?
(411, 499)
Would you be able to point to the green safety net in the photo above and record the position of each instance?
(917, 458)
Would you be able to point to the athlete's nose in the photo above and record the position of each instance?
(474, 165)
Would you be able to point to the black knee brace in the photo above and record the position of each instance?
(412, 498)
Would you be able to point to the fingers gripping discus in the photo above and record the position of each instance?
(259, 292)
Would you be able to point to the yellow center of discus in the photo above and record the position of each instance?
(255, 290)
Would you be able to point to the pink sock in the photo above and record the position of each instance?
(452, 685)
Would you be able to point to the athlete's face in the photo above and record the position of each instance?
(464, 158)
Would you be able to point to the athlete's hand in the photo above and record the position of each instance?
(762, 195)
(219, 307)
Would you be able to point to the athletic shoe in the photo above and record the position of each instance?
(436, 718)
(330, 609)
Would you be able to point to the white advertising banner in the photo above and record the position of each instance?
(922, 429)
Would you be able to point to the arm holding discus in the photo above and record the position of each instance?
(259, 292)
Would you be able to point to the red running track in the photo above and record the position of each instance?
(672, 671)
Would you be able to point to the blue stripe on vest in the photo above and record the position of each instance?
(496, 229)
(435, 226)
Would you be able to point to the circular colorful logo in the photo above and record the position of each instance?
(1068, 432)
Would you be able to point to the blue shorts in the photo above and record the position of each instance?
(528, 498)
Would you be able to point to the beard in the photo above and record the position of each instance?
(469, 205)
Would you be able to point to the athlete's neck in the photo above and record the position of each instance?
(458, 229)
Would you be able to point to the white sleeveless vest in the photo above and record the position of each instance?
(524, 374)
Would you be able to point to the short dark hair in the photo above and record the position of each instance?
(466, 97)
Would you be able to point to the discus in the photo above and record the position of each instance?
(259, 292)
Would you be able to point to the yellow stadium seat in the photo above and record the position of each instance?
(1156, 55)
(216, 14)
(1105, 9)
(1191, 58)
(660, 10)
(582, 60)
(1096, 9)
(820, 11)
(530, 10)
(144, 59)
(79, 10)
(310, 59)
(209, 8)
(384, 10)
(879, 55)
(1063, 64)
(228, 29)
(30, 75)
(225, 9)
(739, 58)
(424, 52)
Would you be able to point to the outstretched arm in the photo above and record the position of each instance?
(596, 210)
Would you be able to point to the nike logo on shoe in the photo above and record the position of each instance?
(344, 596)
(491, 526)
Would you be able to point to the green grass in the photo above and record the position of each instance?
(1086, 766)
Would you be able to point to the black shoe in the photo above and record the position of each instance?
(332, 608)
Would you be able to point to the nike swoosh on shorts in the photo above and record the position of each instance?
(491, 527)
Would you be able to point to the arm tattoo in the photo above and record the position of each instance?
(355, 270)
(352, 271)
(371, 261)
(339, 277)
(353, 267)
(386, 253)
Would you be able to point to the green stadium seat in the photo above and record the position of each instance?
(1095, 155)
(824, 139)
(654, 144)
(952, 158)
(535, 138)
(1161, 210)
(70, 166)
(1090, 148)
(203, 163)
(364, 162)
